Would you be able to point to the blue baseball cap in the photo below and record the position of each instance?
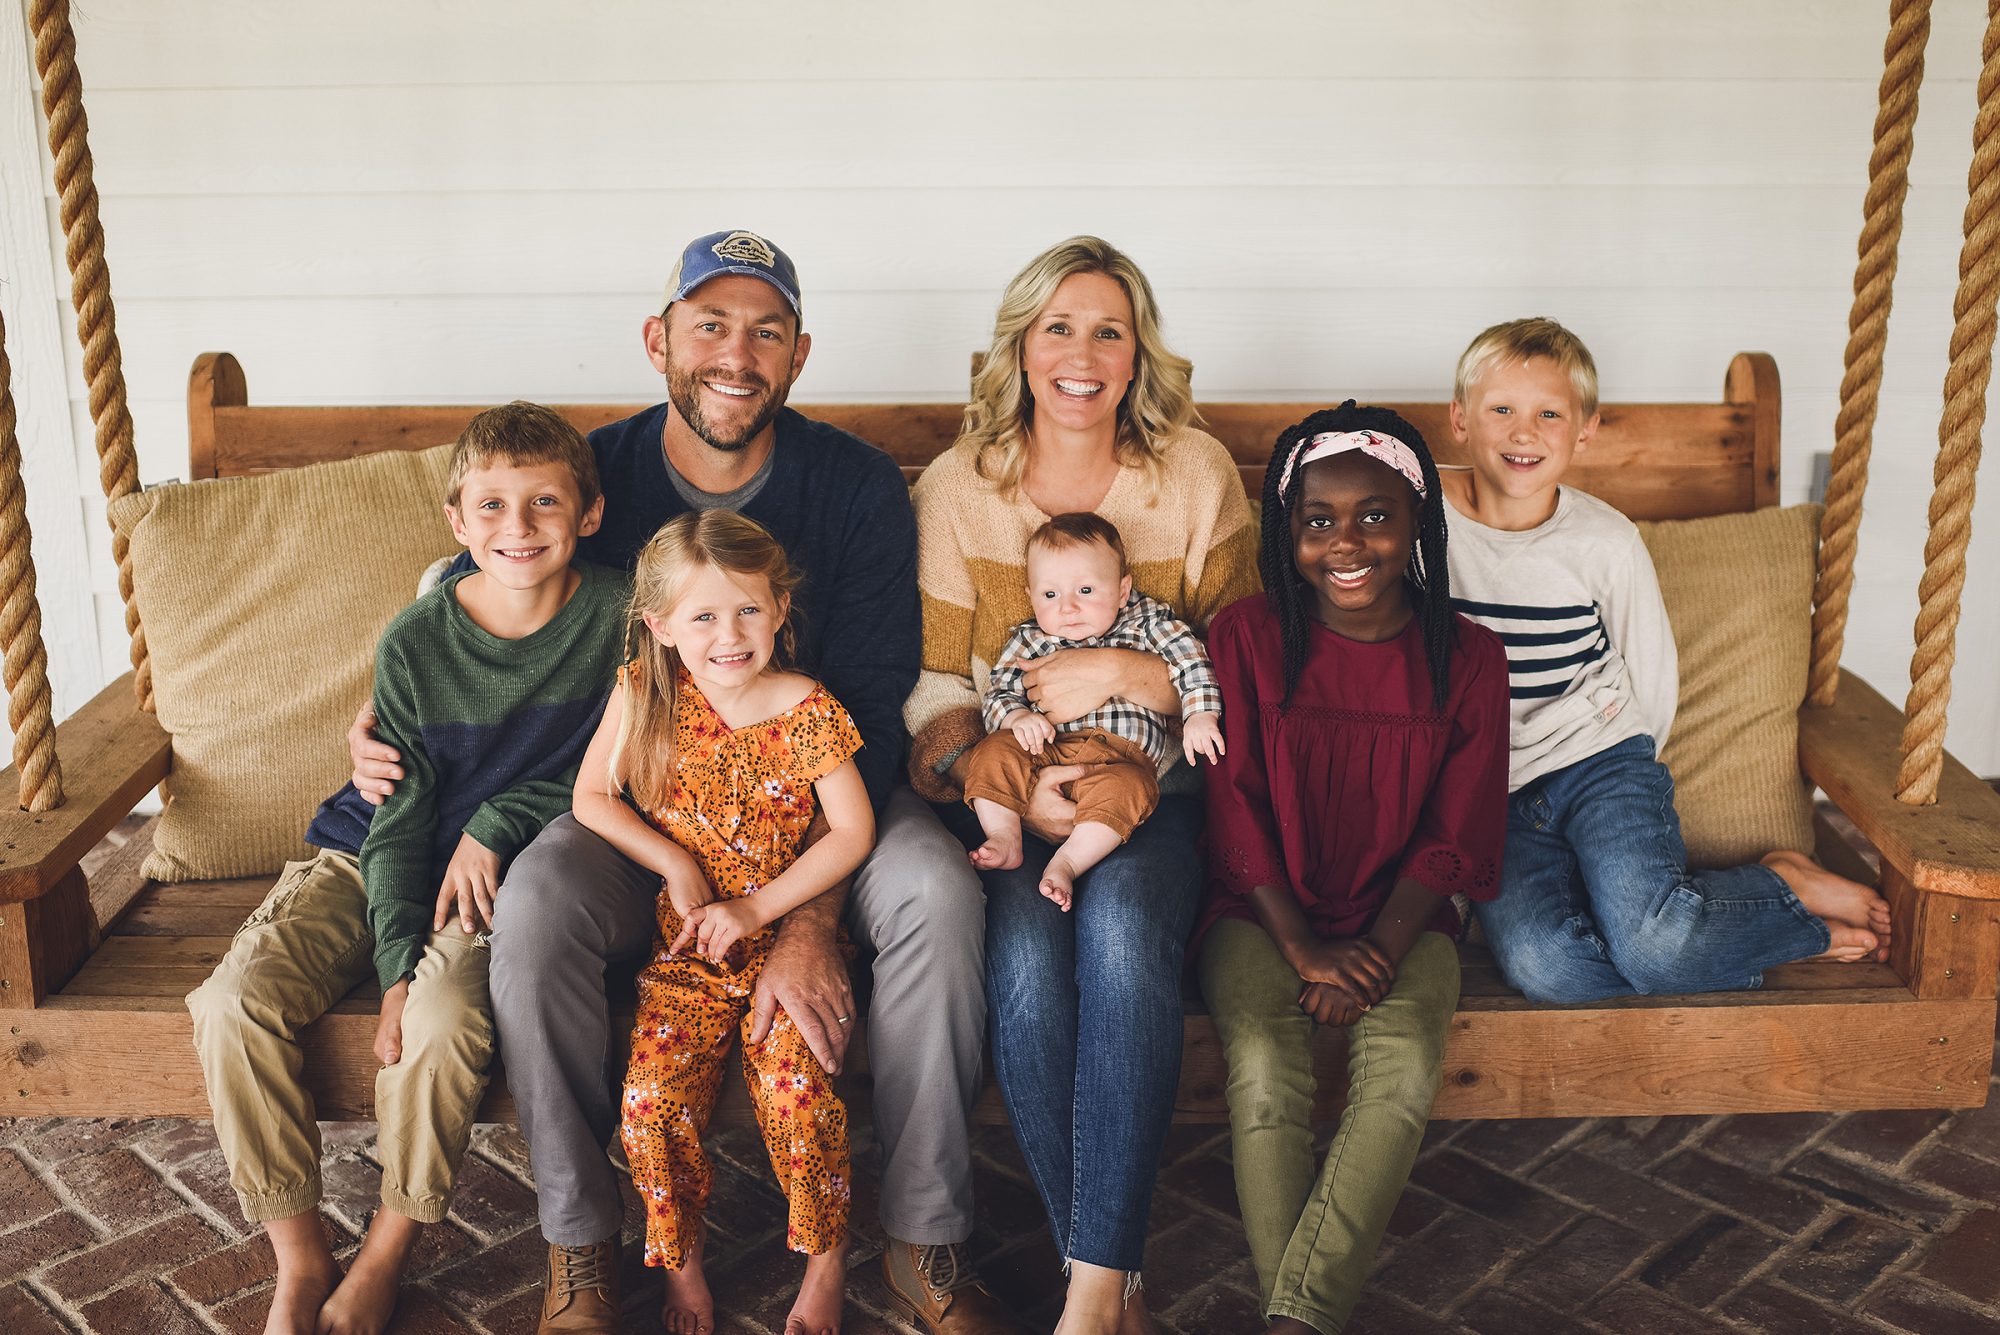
(739, 251)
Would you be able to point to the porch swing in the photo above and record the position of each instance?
(93, 966)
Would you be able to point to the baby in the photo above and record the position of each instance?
(1082, 594)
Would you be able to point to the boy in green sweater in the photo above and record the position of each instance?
(490, 685)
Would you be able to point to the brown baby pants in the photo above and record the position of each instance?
(1120, 789)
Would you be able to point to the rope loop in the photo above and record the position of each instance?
(1867, 334)
(90, 291)
(1959, 428)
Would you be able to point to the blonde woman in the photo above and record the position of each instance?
(1079, 406)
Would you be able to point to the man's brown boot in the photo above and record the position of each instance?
(938, 1287)
(581, 1297)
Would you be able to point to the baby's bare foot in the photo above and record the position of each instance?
(690, 1309)
(998, 853)
(1834, 898)
(824, 1290)
(1059, 883)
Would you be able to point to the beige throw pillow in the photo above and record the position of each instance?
(262, 599)
(1738, 590)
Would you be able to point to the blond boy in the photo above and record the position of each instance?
(491, 685)
(1596, 896)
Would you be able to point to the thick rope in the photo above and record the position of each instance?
(90, 291)
(1958, 446)
(30, 709)
(1867, 332)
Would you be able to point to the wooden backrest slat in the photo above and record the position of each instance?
(1651, 460)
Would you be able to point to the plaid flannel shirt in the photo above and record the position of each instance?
(1143, 623)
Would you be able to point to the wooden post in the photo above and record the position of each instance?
(44, 941)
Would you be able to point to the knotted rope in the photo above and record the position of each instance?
(30, 709)
(90, 291)
(1867, 332)
(1958, 445)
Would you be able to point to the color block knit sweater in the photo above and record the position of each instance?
(491, 732)
(1192, 546)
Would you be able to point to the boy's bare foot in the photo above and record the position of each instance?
(690, 1308)
(1059, 882)
(821, 1294)
(1837, 900)
(307, 1274)
(1847, 945)
(1290, 1325)
(298, 1297)
(366, 1299)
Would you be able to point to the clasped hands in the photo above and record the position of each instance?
(1343, 979)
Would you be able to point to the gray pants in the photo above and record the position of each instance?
(573, 908)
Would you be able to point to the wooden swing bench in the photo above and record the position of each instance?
(93, 967)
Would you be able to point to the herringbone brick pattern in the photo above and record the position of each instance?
(1785, 1225)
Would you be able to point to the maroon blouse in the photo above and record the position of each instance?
(1359, 782)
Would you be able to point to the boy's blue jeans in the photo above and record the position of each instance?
(1085, 1009)
(1596, 899)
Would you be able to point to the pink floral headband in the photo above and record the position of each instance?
(1374, 444)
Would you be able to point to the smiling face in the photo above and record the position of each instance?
(730, 351)
(1076, 591)
(1080, 354)
(1353, 522)
(724, 626)
(520, 522)
(1521, 423)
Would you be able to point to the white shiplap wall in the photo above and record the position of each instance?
(427, 200)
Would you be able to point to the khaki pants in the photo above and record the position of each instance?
(1121, 789)
(1313, 1235)
(301, 951)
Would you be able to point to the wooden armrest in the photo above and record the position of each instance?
(111, 751)
(1852, 749)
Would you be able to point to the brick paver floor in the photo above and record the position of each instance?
(1810, 1224)
(1780, 1225)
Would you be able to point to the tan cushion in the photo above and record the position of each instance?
(1738, 590)
(262, 598)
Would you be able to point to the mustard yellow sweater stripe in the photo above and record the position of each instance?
(1192, 546)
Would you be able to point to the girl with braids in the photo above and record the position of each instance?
(1364, 785)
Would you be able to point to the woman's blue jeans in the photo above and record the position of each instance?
(1596, 899)
(1085, 1009)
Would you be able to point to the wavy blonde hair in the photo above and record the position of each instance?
(1158, 404)
(642, 756)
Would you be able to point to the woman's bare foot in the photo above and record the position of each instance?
(1837, 900)
(821, 1295)
(366, 1299)
(307, 1274)
(1136, 1319)
(1096, 1302)
(690, 1308)
(1847, 945)
(1002, 849)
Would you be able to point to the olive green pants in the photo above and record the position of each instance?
(304, 948)
(1313, 1237)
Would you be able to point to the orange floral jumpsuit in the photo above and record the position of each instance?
(741, 805)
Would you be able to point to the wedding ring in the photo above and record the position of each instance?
(841, 1019)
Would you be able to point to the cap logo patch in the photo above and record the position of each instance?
(746, 248)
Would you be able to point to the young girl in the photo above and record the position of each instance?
(705, 769)
(1364, 784)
